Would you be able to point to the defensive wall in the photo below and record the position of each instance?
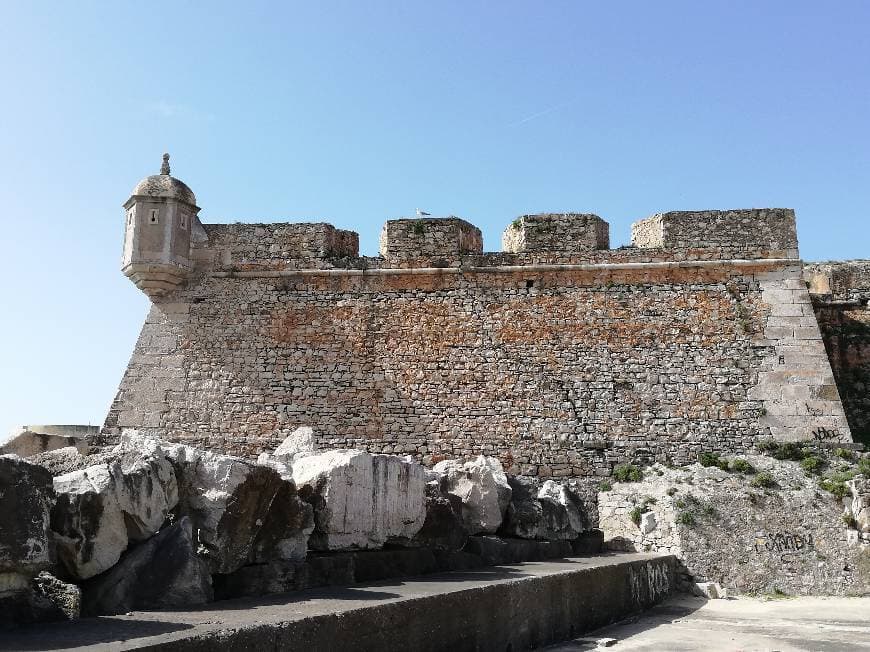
(841, 294)
(558, 355)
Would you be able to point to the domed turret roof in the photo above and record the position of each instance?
(163, 185)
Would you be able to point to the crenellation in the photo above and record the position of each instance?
(443, 240)
(556, 232)
(301, 245)
(745, 233)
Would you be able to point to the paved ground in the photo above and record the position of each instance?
(685, 623)
(450, 611)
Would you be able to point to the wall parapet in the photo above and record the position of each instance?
(556, 232)
(429, 238)
(769, 232)
(841, 280)
(546, 238)
(251, 244)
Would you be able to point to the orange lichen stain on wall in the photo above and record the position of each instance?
(343, 325)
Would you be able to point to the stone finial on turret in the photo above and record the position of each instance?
(164, 169)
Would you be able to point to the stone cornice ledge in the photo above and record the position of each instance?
(508, 269)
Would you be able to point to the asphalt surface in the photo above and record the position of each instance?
(685, 623)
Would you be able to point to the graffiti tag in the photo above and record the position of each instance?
(822, 433)
(784, 542)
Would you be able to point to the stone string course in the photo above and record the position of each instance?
(561, 360)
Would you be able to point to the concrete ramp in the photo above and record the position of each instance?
(503, 608)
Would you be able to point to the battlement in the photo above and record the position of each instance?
(429, 238)
(241, 245)
(754, 232)
(546, 238)
(844, 281)
(556, 232)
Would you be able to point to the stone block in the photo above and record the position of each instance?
(556, 232)
(435, 239)
(749, 232)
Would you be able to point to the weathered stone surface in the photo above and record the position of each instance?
(300, 440)
(228, 501)
(564, 514)
(361, 500)
(28, 443)
(443, 528)
(88, 522)
(60, 461)
(782, 533)
(66, 597)
(286, 528)
(44, 598)
(860, 503)
(482, 486)
(159, 573)
(146, 487)
(524, 515)
(26, 497)
(102, 508)
(710, 590)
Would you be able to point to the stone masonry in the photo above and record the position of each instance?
(841, 300)
(561, 359)
(556, 232)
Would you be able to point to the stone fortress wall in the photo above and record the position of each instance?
(841, 299)
(558, 355)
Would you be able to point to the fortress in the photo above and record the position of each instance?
(558, 355)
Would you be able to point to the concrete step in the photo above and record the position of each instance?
(503, 608)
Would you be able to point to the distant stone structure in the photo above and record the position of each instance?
(560, 356)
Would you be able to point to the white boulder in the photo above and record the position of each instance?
(146, 487)
(88, 521)
(563, 511)
(300, 440)
(228, 500)
(361, 500)
(482, 486)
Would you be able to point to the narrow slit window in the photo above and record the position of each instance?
(184, 221)
(130, 216)
(152, 216)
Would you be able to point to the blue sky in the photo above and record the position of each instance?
(358, 112)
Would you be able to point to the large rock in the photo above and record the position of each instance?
(860, 504)
(160, 573)
(100, 509)
(26, 496)
(66, 598)
(299, 441)
(443, 528)
(563, 512)
(44, 598)
(146, 487)
(90, 529)
(62, 460)
(286, 528)
(524, 515)
(361, 500)
(482, 486)
(228, 500)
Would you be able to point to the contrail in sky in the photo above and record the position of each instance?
(555, 107)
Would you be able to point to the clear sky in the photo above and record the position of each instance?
(358, 112)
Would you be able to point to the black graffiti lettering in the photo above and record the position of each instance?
(822, 433)
(782, 359)
(785, 542)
